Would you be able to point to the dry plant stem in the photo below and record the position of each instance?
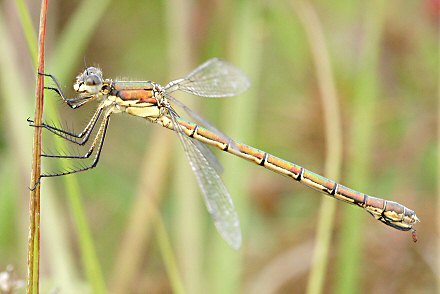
(288, 266)
(34, 204)
(438, 172)
(152, 184)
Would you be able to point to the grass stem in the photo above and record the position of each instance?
(34, 203)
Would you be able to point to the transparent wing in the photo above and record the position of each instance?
(205, 150)
(214, 78)
(204, 123)
(216, 196)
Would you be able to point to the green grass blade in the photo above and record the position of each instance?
(333, 135)
(74, 39)
(238, 121)
(70, 47)
(362, 126)
(187, 197)
(28, 29)
(168, 255)
(64, 274)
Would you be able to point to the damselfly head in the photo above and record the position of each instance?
(89, 82)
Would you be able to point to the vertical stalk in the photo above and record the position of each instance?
(333, 138)
(186, 195)
(167, 254)
(239, 121)
(360, 142)
(25, 20)
(34, 203)
(151, 188)
(438, 174)
(69, 49)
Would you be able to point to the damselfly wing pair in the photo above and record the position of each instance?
(151, 101)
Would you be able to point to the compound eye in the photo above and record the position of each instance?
(92, 80)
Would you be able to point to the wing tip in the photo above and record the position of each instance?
(235, 243)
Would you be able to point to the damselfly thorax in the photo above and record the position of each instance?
(139, 98)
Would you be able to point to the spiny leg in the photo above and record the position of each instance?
(65, 134)
(87, 154)
(74, 102)
(100, 136)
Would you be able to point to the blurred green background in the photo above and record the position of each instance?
(137, 224)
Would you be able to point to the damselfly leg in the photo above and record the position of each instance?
(97, 142)
(84, 135)
(74, 102)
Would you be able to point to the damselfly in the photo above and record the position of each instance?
(214, 78)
